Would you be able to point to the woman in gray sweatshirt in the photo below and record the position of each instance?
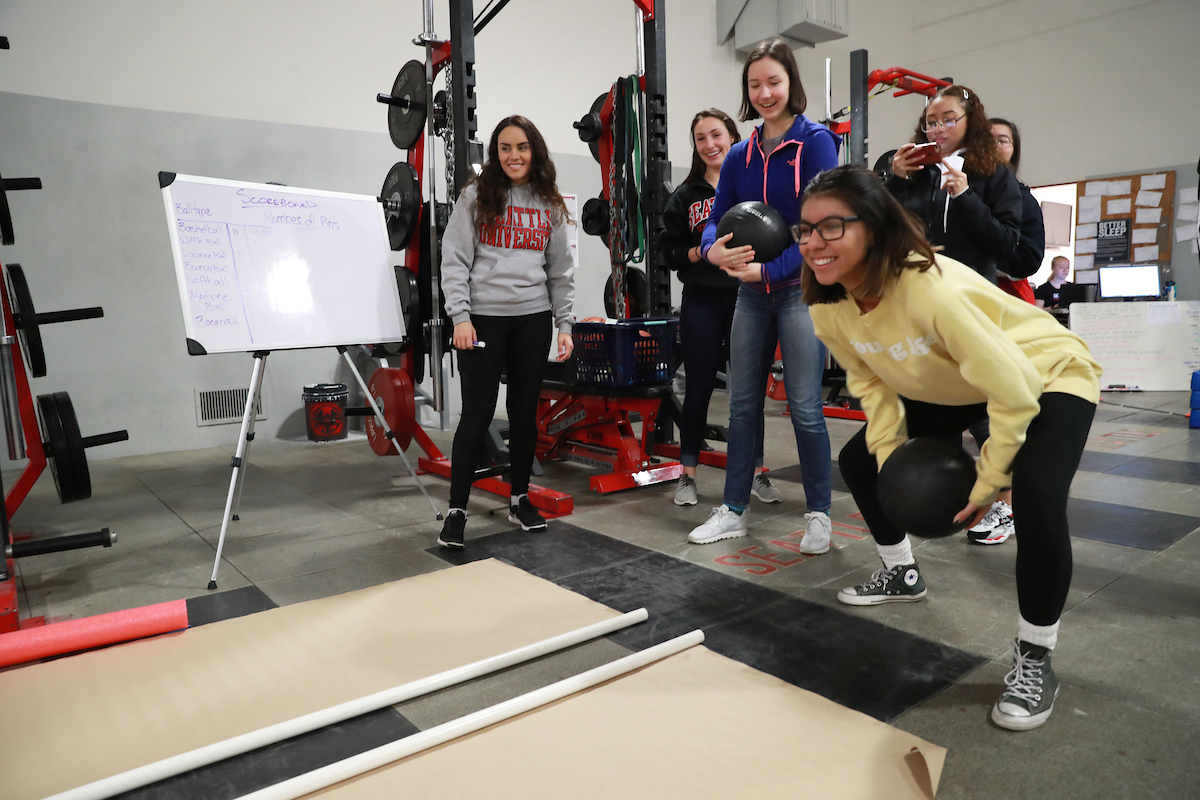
(507, 277)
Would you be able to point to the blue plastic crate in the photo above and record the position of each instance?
(627, 352)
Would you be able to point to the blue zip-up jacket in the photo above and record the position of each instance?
(806, 150)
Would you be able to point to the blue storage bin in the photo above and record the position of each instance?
(628, 352)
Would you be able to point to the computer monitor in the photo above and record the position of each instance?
(1130, 281)
(1070, 293)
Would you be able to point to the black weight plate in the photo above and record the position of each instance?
(54, 444)
(636, 290)
(405, 124)
(401, 197)
(410, 302)
(25, 318)
(75, 449)
(597, 106)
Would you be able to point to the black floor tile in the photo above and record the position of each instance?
(556, 553)
(216, 606)
(858, 663)
(1124, 525)
(1095, 461)
(793, 474)
(269, 765)
(1159, 469)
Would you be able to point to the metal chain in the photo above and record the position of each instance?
(448, 141)
(616, 242)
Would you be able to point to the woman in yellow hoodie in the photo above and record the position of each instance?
(931, 347)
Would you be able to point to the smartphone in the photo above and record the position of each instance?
(926, 153)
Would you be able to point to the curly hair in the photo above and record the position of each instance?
(698, 166)
(493, 184)
(897, 237)
(982, 156)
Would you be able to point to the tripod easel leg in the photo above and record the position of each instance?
(238, 462)
(387, 429)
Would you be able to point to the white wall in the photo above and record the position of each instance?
(284, 90)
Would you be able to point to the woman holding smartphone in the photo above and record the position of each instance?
(962, 191)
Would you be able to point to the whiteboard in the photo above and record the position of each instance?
(1153, 346)
(263, 267)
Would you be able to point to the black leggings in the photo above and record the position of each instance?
(517, 346)
(1042, 473)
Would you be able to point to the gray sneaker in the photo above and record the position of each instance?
(1032, 688)
(685, 491)
(900, 584)
(764, 491)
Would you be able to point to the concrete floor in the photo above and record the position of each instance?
(318, 520)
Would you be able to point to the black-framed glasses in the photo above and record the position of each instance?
(830, 229)
(929, 126)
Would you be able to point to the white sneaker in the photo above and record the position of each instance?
(723, 524)
(816, 533)
(764, 490)
(995, 527)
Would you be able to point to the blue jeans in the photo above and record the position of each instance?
(705, 322)
(761, 317)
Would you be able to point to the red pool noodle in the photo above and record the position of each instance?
(71, 636)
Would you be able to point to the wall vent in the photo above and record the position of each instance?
(224, 406)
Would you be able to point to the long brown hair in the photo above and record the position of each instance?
(492, 197)
(982, 155)
(781, 51)
(698, 165)
(897, 237)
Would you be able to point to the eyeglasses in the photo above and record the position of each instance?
(830, 229)
(1004, 141)
(947, 124)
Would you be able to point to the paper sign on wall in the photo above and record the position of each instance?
(1154, 181)
(1085, 246)
(1145, 198)
(1183, 233)
(1120, 187)
(1145, 235)
(1085, 231)
(1148, 216)
(1188, 212)
(1095, 188)
(1119, 205)
(1083, 263)
(1147, 253)
(1187, 195)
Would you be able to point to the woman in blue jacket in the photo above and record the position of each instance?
(773, 166)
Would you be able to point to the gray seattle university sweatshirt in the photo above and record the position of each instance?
(521, 266)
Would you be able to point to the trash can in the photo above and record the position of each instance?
(325, 411)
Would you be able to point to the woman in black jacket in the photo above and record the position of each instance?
(1026, 258)
(969, 200)
(709, 296)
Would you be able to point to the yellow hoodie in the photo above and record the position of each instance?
(950, 337)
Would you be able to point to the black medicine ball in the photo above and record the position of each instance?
(758, 225)
(924, 483)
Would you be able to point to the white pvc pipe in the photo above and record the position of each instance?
(373, 759)
(210, 754)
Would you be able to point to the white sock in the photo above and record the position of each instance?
(894, 555)
(1042, 635)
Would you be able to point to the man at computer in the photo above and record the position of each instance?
(1048, 295)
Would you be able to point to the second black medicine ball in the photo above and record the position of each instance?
(758, 225)
(924, 483)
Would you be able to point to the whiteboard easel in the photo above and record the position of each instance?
(262, 267)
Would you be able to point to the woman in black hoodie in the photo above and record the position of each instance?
(969, 200)
(709, 296)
